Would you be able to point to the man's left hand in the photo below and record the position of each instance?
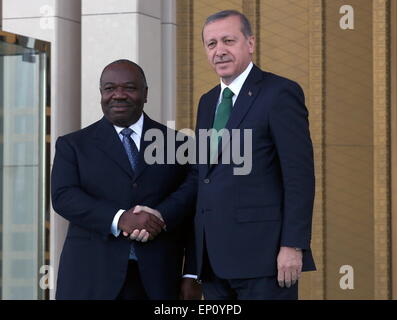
(190, 289)
(289, 265)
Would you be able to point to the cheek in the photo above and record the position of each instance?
(105, 98)
(210, 57)
(137, 98)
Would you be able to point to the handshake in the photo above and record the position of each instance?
(141, 223)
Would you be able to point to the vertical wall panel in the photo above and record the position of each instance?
(393, 143)
(290, 45)
(314, 287)
(284, 39)
(381, 136)
(349, 150)
(184, 52)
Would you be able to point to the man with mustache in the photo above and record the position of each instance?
(99, 176)
(252, 231)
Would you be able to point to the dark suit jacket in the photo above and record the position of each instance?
(91, 180)
(244, 219)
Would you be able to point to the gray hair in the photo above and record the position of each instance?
(245, 24)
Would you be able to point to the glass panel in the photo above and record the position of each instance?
(21, 183)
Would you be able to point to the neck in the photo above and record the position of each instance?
(126, 123)
(229, 80)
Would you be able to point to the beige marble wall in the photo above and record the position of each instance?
(393, 134)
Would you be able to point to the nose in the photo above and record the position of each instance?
(220, 50)
(119, 93)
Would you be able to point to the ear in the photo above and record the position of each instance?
(251, 44)
(146, 92)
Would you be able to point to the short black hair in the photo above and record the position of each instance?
(245, 24)
(126, 61)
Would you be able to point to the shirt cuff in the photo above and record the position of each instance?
(114, 229)
(192, 276)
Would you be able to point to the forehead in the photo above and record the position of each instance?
(230, 26)
(121, 72)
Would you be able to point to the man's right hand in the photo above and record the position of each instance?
(130, 221)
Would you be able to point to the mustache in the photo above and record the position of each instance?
(222, 59)
(121, 104)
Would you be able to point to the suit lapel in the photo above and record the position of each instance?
(108, 141)
(245, 99)
(208, 117)
(211, 102)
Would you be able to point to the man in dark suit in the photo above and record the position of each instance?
(252, 229)
(99, 175)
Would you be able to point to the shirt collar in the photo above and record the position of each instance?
(137, 127)
(237, 83)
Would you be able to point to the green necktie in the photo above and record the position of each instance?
(221, 117)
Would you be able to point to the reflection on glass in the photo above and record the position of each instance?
(21, 109)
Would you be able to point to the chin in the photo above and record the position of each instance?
(224, 73)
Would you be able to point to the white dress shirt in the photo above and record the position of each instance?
(236, 84)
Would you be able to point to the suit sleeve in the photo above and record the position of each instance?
(70, 200)
(289, 127)
(189, 266)
(180, 205)
(174, 208)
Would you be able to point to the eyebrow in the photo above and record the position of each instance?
(223, 38)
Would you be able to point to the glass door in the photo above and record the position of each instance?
(23, 165)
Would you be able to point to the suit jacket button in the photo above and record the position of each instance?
(207, 181)
(135, 185)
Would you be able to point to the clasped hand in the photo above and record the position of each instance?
(141, 223)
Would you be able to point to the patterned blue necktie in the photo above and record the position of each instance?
(132, 154)
(130, 147)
